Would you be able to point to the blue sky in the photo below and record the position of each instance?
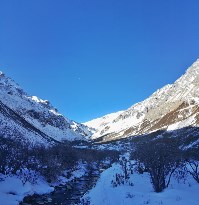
(94, 57)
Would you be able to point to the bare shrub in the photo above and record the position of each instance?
(160, 158)
(192, 160)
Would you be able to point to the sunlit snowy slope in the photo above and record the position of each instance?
(172, 107)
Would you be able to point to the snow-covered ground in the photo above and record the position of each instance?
(140, 192)
(178, 193)
(12, 190)
(79, 171)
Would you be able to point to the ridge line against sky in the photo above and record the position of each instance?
(90, 58)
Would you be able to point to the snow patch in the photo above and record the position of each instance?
(12, 190)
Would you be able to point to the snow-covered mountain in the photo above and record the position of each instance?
(33, 119)
(170, 108)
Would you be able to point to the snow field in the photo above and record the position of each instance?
(141, 192)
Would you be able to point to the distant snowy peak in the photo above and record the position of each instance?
(173, 106)
(38, 100)
(18, 110)
(103, 121)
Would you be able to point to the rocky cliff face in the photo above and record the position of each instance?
(33, 119)
(170, 108)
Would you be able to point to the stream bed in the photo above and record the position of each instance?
(68, 194)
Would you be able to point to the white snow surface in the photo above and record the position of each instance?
(102, 121)
(181, 124)
(12, 190)
(178, 193)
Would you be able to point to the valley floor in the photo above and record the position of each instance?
(178, 193)
(13, 190)
(140, 192)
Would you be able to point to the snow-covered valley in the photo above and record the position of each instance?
(147, 154)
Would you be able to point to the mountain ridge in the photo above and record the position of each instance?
(35, 112)
(171, 107)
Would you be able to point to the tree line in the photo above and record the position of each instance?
(31, 161)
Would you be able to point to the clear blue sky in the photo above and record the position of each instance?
(93, 57)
